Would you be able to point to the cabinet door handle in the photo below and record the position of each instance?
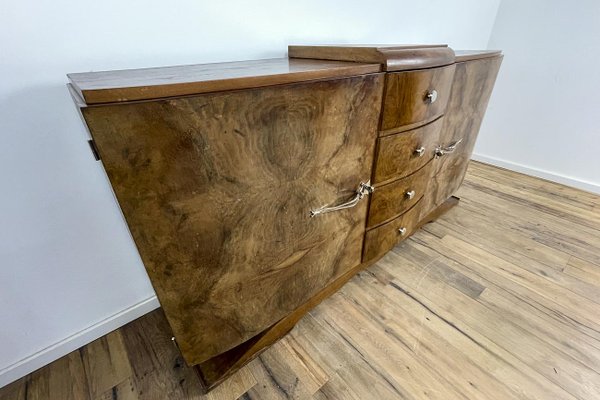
(440, 151)
(364, 189)
(410, 194)
(402, 231)
(420, 151)
(431, 96)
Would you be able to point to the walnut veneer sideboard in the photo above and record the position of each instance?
(255, 189)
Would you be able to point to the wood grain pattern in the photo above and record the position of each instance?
(382, 239)
(391, 200)
(405, 99)
(468, 304)
(391, 57)
(396, 155)
(215, 370)
(157, 365)
(217, 190)
(63, 379)
(105, 362)
(471, 91)
(154, 83)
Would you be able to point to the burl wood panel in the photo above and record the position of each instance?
(471, 91)
(392, 199)
(397, 154)
(153, 83)
(405, 98)
(217, 191)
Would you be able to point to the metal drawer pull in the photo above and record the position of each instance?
(420, 151)
(402, 231)
(410, 194)
(363, 190)
(432, 96)
(439, 151)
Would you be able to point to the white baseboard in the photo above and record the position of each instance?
(539, 173)
(73, 342)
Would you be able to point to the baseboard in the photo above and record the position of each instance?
(73, 342)
(539, 173)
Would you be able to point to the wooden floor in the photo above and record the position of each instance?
(499, 299)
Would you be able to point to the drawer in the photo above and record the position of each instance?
(393, 199)
(383, 238)
(402, 154)
(415, 97)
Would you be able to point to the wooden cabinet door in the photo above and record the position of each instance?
(471, 91)
(217, 191)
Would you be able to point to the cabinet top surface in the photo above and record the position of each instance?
(153, 83)
(467, 55)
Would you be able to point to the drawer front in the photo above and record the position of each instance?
(415, 97)
(395, 198)
(383, 238)
(402, 154)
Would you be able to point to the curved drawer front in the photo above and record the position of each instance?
(395, 198)
(415, 97)
(383, 238)
(402, 154)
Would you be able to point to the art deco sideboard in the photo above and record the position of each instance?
(255, 189)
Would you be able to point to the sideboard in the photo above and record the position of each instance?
(253, 190)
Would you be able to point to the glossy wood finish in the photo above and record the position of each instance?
(217, 191)
(397, 155)
(392, 199)
(217, 187)
(153, 83)
(491, 302)
(471, 91)
(405, 99)
(216, 370)
(383, 238)
(380, 240)
(391, 57)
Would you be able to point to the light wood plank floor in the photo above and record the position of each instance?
(498, 299)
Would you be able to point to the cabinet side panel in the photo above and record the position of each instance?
(217, 190)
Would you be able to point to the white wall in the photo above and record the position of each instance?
(69, 271)
(544, 116)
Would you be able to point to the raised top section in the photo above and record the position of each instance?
(153, 83)
(391, 57)
(467, 55)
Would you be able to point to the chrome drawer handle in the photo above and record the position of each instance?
(420, 151)
(402, 231)
(410, 194)
(440, 151)
(431, 96)
(364, 189)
